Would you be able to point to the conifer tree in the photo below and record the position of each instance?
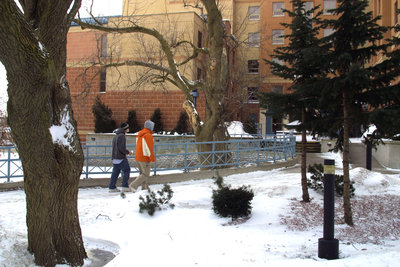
(250, 126)
(132, 121)
(303, 65)
(182, 124)
(103, 122)
(354, 82)
(156, 118)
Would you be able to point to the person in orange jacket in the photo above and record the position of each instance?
(144, 156)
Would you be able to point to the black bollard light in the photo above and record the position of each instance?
(328, 246)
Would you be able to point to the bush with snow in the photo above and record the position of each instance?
(153, 202)
(231, 202)
(316, 181)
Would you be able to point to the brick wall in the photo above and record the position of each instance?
(120, 102)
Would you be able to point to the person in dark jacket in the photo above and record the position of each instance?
(120, 162)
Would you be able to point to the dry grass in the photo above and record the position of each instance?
(376, 218)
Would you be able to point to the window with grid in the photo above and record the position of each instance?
(308, 6)
(103, 45)
(254, 13)
(103, 78)
(277, 9)
(328, 32)
(253, 66)
(277, 89)
(278, 61)
(199, 39)
(277, 37)
(254, 39)
(252, 93)
(328, 5)
(199, 73)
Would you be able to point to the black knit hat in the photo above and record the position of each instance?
(124, 126)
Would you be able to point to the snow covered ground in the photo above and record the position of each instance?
(281, 231)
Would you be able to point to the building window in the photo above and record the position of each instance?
(278, 89)
(277, 9)
(396, 13)
(328, 32)
(199, 73)
(103, 45)
(103, 77)
(278, 61)
(277, 37)
(252, 94)
(199, 39)
(328, 6)
(308, 6)
(254, 39)
(253, 66)
(254, 13)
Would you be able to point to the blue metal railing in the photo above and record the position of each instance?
(174, 156)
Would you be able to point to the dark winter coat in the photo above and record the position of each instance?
(119, 150)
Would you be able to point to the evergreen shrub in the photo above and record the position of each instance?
(228, 202)
(103, 122)
(316, 181)
(250, 126)
(156, 118)
(132, 121)
(153, 202)
(182, 124)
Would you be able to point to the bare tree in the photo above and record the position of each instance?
(213, 87)
(33, 51)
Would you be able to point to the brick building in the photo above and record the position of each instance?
(253, 25)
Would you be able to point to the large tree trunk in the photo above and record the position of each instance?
(348, 215)
(304, 186)
(32, 49)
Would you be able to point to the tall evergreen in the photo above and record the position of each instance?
(156, 118)
(132, 121)
(182, 126)
(103, 122)
(354, 82)
(304, 67)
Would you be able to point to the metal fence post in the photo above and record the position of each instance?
(274, 148)
(87, 162)
(9, 165)
(155, 162)
(186, 169)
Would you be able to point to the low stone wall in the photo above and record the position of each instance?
(388, 154)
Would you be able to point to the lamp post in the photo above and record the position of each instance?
(194, 94)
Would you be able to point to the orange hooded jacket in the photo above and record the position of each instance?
(145, 150)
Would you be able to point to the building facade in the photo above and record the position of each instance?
(254, 26)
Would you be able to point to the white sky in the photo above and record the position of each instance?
(100, 8)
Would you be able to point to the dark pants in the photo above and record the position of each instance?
(117, 168)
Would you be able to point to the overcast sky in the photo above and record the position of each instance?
(100, 8)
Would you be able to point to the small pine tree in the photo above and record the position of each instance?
(103, 122)
(156, 118)
(316, 181)
(132, 121)
(250, 125)
(182, 124)
(228, 202)
(151, 203)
